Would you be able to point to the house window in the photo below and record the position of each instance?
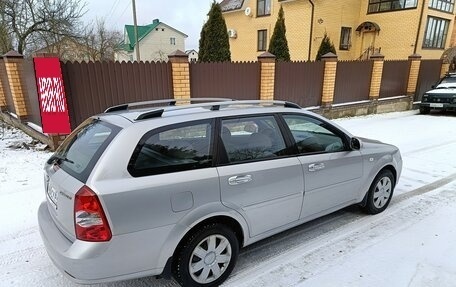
(345, 38)
(172, 41)
(376, 6)
(436, 33)
(262, 38)
(263, 7)
(442, 5)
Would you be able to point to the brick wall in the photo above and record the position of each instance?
(396, 38)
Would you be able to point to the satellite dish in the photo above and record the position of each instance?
(248, 11)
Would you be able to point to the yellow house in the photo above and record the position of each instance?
(358, 28)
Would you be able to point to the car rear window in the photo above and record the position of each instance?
(173, 149)
(81, 150)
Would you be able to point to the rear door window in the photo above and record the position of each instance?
(81, 150)
(172, 149)
(252, 138)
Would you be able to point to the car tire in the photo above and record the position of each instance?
(380, 192)
(425, 110)
(219, 247)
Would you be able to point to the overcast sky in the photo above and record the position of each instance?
(186, 16)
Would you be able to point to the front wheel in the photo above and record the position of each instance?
(380, 192)
(425, 110)
(207, 257)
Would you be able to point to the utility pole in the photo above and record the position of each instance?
(135, 27)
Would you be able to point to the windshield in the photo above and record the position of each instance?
(448, 80)
(81, 150)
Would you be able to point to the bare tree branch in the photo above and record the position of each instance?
(27, 18)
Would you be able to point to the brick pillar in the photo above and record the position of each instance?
(376, 78)
(445, 68)
(14, 70)
(180, 68)
(3, 104)
(267, 78)
(329, 79)
(415, 62)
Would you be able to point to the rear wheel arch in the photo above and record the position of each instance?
(224, 220)
(228, 221)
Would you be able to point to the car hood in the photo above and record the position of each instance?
(370, 144)
(444, 89)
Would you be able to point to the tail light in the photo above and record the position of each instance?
(89, 218)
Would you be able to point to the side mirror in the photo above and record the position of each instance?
(355, 144)
(433, 87)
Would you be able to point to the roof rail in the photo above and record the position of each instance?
(169, 102)
(215, 106)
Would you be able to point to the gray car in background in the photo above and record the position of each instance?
(177, 190)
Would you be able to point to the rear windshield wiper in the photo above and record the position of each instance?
(58, 159)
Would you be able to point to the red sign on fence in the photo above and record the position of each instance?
(51, 94)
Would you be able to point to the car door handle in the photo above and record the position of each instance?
(316, 166)
(239, 179)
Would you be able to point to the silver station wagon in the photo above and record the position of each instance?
(159, 189)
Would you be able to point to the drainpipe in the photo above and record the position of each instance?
(311, 29)
(419, 27)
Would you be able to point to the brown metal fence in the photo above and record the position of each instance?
(239, 81)
(299, 82)
(429, 75)
(92, 87)
(394, 78)
(33, 105)
(352, 81)
(6, 88)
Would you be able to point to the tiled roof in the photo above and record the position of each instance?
(230, 5)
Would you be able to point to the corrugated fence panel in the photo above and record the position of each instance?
(394, 78)
(33, 105)
(240, 81)
(352, 81)
(92, 87)
(299, 82)
(6, 87)
(429, 75)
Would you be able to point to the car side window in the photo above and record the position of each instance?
(312, 135)
(252, 138)
(175, 149)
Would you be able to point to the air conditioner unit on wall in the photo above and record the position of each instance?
(248, 12)
(232, 33)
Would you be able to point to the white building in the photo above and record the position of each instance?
(156, 41)
(192, 55)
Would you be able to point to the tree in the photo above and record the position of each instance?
(26, 18)
(201, 53)
(6, 43)
(100, 42)
(214, 42)
(326, 46)
(278, 45)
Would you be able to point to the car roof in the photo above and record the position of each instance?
(194, 111)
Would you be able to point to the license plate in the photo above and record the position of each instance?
(433, 105)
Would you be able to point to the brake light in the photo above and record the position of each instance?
(89, 218)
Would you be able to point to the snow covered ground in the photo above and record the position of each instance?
(410, 244)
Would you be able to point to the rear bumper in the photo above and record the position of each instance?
(438, 106)
(125, 257)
